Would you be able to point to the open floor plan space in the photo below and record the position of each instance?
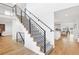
(39, 29)
(65, 47)
(66, 35)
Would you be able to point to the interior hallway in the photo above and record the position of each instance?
(65, 46)
(10, 47)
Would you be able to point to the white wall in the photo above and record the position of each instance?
(69, 18)
(16, 27)
(8, 29)
(8, 25)
(21, 5)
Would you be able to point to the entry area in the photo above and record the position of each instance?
(10, 47)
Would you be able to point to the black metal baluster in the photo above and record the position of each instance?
(22, 38)
(16, 37)
(44, 41)
(15, 9)
(21, 16)
(25, 10)
(29, 25)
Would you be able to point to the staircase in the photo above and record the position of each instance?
(36, 32)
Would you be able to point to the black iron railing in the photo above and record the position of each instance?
(20, 38)
(39, 20)
(6, 5)
(40, 30)
(11, 9)
(6, 9)
(29, 23)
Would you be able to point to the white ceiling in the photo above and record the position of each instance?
(56, 6)
(63, 11)
(67, 15)
(4, 7)
(60, 6)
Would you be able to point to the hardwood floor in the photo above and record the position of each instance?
(10, 47)
(64, 46)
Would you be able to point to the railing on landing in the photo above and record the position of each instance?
(6, 9)
(6, 5)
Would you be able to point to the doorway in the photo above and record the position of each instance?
(2, 29)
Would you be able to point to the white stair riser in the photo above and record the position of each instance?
(29, 42)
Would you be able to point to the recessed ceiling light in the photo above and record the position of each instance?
(66, 14)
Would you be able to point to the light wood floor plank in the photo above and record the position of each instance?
(65, 47)
(10, 47)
